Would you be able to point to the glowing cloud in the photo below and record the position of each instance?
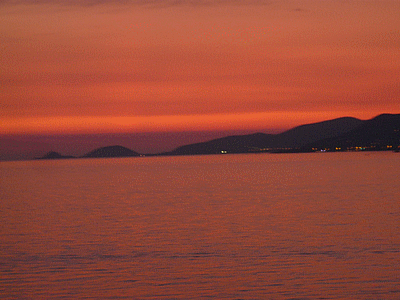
(194, 65)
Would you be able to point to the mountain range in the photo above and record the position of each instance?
(339, 134)
(342, 134)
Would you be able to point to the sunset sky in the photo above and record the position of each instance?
(135, 66)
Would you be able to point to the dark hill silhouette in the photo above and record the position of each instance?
(54, 155)
(112, 151)
(305, 134)
(375, 134)
(231, 144)
(294, 139)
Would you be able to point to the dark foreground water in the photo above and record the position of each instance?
(287, 226)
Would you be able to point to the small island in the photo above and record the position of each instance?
(112, 151)
(55, 155)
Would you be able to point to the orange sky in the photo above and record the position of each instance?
(124, 66)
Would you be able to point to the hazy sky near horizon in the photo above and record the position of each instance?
(158, 66)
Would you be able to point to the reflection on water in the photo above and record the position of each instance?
(288, 226)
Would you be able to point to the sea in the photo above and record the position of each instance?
(251, 226)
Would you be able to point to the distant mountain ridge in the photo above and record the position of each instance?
(305, 134)
(342, 134)
(379, 133)
(292, 139)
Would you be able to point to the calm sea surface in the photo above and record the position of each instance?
(287, 226)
